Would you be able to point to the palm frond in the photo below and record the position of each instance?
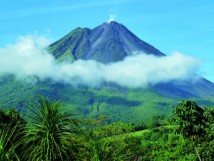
(10, 140)
(48, 124)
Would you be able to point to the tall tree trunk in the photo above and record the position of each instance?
(197, 151)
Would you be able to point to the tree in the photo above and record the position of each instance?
(192, 121)
(208, 142)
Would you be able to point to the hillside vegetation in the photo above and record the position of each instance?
(50, 133)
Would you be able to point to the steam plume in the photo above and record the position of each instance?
(112, 18)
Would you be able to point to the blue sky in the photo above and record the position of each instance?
(169, 25)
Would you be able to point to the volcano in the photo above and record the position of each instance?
(112, 42)
(107, 43)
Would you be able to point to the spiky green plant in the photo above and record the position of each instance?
(48, 124)
(10, 140)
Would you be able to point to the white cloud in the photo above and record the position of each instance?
(142, 70)
(28, 59)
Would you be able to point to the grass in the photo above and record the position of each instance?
(142, 132)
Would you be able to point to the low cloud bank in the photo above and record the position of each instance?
(28, 59)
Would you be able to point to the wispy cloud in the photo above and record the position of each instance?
(46, 10)
(28, 59)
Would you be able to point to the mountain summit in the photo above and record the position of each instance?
(109, 42)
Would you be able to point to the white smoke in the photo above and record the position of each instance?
(28, 59)
(112, 18)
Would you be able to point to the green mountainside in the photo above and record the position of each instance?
(117, 103)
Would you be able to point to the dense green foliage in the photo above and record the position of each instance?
(196, 124)
(164, 144)
(192, 120)
(53, 134)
